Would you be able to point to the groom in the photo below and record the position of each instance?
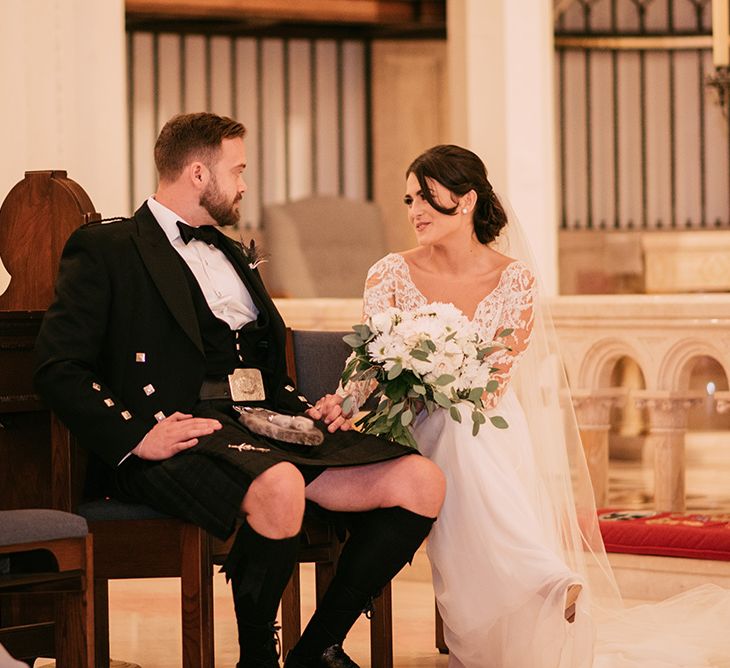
(153, 316)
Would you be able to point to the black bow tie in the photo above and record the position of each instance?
(206, 233)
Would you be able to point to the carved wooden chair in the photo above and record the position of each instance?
(36, 219)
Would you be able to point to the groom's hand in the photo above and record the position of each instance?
(175, 433)
(329, 410)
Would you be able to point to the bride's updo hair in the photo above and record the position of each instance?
(459, 170)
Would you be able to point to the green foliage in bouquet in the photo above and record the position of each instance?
(404, 392)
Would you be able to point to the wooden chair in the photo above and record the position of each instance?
(315, 361)
(48, 552)
(43, 210)
(36, 218)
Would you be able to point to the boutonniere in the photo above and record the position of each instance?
(254, 254)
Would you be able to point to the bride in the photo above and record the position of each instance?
(519, 569)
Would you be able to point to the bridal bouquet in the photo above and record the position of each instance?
(423, 359)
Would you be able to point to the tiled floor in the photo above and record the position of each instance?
(145, 623)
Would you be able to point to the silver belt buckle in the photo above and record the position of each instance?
(246, 385)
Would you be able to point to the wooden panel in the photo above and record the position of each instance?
(24, 425)
(374, 12)
(160, 558)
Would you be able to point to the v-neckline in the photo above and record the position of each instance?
(478, 306)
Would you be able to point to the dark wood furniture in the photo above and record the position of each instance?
(130, 541)
(48, 553)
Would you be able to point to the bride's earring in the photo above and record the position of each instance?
(465, 211)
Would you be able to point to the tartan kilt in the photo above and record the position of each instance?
(205, 484)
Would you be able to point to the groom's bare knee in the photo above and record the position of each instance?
(274, 503)
(417, 484)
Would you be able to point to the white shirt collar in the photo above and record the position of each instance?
(167, 218)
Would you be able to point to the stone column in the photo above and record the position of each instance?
(593, 413)
(722, 401)
(501, 91)
(668, 412)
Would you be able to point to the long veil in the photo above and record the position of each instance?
(688, 630)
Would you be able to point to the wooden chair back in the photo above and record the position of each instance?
(36, 219)
(130, 541)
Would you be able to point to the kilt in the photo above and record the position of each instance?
(205, 484)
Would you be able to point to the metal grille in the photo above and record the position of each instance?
(643, 142)
(304, 103)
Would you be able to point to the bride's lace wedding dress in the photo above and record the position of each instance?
(499, 571)
(499, 581)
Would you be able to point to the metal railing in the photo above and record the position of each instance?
(304, 102)
(643, 143)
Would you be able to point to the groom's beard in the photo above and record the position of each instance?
(223, 212)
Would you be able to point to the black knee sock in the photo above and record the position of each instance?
(381, 542)
(259, 569)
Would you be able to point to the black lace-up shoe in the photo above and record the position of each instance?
(332, 657)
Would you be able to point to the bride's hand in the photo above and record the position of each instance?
(329, 410)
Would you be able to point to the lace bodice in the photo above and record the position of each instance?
(508, 306)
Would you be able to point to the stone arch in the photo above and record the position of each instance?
(600, 359)
(676, 366)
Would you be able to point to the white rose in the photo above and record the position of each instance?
(383, 321)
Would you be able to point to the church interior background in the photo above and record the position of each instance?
(605, 123)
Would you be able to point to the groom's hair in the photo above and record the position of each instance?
(460, 170)
(189, 137)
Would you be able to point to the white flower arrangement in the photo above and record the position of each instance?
(428, 358)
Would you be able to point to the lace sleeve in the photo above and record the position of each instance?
(517, 314)
(378, 295)
(379, 291)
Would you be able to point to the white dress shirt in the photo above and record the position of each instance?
(222, 287)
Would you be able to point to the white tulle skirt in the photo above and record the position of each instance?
(500, 580)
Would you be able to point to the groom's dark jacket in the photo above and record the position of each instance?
(121, 344)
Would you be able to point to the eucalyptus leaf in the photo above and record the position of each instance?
(499, 422)
(478, 417)
(445, 379)
(441, 399)
(431, 345)
(419, 389)
(505, 332)
(395, 371)
(397, 408)
(363, 331)
(407, 417)
(492, 386)
(419, 355)
(353, 340)
(455, 415)
(348, 405)
(475, 394)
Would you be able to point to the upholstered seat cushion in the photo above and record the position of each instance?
(111, 509)
(37, 525)
(691, 535)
